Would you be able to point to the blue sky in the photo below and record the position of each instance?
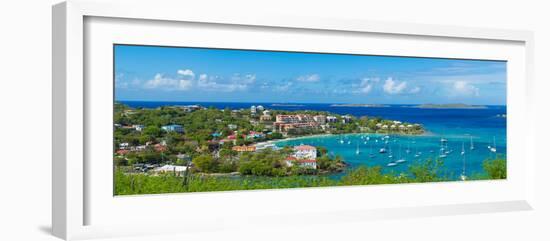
(150, 73)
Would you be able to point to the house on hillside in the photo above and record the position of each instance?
(173, 128)
(305, 152)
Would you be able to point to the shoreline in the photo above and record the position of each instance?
(426, 133)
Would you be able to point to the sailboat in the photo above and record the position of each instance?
(383, 149)
(462, 152)
(494, 147)
(390, 153)
(391, 163)
(371, 152)
(442, 153)
(471, 143)
(341, 140)
(357, 150)
(463, 176)
(408, 150)
(417, 152)
(400, 160)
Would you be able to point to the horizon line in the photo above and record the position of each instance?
(275, 102)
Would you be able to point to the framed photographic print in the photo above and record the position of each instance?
(168, 123)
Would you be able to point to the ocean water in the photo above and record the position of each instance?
(479, 128)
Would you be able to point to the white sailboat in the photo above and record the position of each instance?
(371, 152)
(463, 175)
(462, 152)
(494, 147)
(391, 163)
(417, 152)
(442, 153)
(401, 159)
(357, 150)
(471, 143)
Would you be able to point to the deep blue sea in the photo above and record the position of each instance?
(477, 128)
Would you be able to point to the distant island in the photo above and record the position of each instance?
(287, 105)
(358, 105)
(449, 106)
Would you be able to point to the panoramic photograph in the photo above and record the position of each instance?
(190, 119)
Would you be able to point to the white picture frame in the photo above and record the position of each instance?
(72, 192)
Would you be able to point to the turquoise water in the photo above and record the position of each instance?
(420, 148)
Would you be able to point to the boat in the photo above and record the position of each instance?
(494, 148)
(349, 142)
(462, 152)
(392, 164)
(401, 159)
(357, 150)
(463, 175)
(382, 150)
(390, 153)
(442, 150)
(471, 143)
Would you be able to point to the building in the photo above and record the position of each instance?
(346, 119)
(321, 119)
(305, 152)
(263, 146)
(232, 126)
(170, 168)
(260, 108)
(287, 119)
(191, 108)
(285, 123)
(254, 135)
(253, 109)
(138, 127)
(307, 163)
(267, 112)
(244, 148)
(160, 148)
(173, 128)
(265, 118)
(331, 119)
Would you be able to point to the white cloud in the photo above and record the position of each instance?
(394, 87)
(187, 73)
(309, 78)
(464, 88)
(215, 83)
(184, 82)
(283, 87)
(364, 87)
(415, 90)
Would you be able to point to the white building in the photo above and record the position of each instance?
(253, 109)
(138, 127)
(332, 118)
(308, 163)
(260, 108)
(170, 168)
(305, 152)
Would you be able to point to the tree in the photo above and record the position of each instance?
(205, 163)
(496, 169)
